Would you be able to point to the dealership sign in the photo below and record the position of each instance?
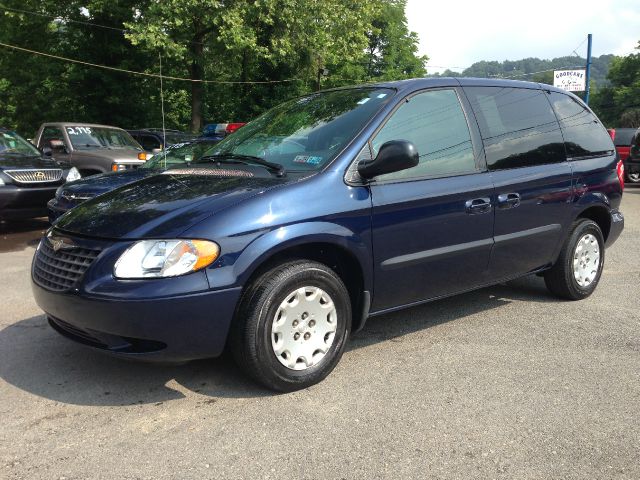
(571, 80)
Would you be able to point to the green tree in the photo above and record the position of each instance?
(392, 49)
(615, 104)
(283, 42)
(229, 39)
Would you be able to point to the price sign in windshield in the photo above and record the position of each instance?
(78, 130)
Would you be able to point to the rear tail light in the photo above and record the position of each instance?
(612, 133)
(620, 172)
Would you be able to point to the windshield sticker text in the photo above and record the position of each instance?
(307, 159)
(78, 130)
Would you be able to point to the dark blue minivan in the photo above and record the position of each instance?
(331, 208)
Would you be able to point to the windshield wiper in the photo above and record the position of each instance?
(274, 167)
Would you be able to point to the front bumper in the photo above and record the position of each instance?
(167, 319)
(173, 329)
(24, 202)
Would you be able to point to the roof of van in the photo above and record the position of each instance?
(417, 83)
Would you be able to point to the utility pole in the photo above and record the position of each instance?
(588, 72)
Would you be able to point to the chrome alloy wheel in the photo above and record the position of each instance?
(304, 328)
(586, 260)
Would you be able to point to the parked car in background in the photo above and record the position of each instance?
(27, 178)
(622, 139)
(153, 139)
(72, 194)
(90, 148)
(221, 130)
(332, 208)
(632, 167)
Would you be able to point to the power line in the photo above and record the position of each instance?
(574, 50)
(145, 74)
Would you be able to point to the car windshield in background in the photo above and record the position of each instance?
(306, 133)
(178, 154)
(624, 136)
(12, 143)
(86, 138)
(173, 138)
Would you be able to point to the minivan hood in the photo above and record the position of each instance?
(160, 206)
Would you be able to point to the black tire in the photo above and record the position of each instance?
(633, 178)
(560, 279)
(250, 339)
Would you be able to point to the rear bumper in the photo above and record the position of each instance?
(170, 329)
(617, 225)
(23, 202)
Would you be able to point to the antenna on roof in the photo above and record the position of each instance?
(164, 133)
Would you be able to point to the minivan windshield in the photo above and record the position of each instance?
(178, 154)
(13, 144)
(306, 133)
(86, 138)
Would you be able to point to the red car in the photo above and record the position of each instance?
(622, 139)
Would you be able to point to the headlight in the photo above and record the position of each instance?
(165, 258)
(73, 174)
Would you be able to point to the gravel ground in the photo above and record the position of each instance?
(506, 382)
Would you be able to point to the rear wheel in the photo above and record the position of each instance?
(577, 272)
(633, 177)
(292, 325)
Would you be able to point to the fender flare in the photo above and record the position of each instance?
(285, 237)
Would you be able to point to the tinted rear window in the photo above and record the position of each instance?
(517, 125)
(583, 133)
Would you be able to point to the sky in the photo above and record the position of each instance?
(454, 35)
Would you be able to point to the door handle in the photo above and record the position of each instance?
(478, 205)
(508, 200)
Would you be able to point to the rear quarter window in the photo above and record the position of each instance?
(517, 125)
(584, 135)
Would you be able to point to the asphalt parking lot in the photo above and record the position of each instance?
(505, 382)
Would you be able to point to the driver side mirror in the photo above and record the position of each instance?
(47, 152)
(393, 156)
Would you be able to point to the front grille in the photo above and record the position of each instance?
(61, 270)
(31, 175)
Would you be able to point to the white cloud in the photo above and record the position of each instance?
(461, 33)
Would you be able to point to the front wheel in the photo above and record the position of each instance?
(577, 272)
(292, 325)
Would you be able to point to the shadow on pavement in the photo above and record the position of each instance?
(35, 359)
(16, 235)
